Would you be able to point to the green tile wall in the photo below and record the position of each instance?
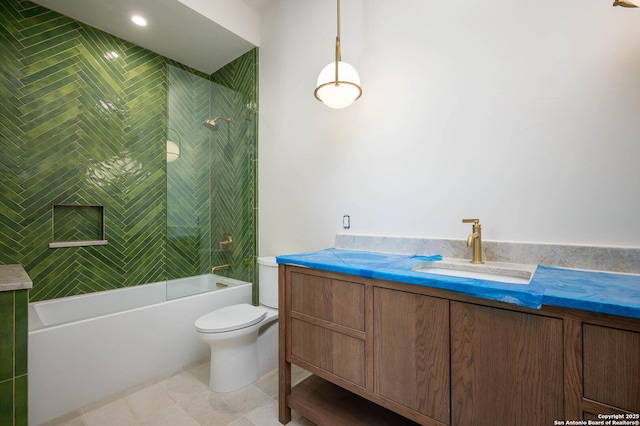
(234, 161)
(188, 227)
(79, 128)
(211, 187)
(13, 357)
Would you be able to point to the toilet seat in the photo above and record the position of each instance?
(230, 318)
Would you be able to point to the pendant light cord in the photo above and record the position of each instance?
(338, 52)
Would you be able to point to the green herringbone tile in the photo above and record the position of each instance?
(79, 128)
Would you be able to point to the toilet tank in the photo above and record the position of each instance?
(268, 281)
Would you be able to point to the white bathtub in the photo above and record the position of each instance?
(83, 348)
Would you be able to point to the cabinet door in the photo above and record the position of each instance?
(506, 367)
(612, 366)
(411, 351)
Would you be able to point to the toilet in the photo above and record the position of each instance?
(243, 338)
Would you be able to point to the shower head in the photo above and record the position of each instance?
(212, 122)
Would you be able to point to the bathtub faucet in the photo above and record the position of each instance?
(217, 268)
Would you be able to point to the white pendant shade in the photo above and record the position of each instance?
(344, 92)
(338, 85)
(173, 151)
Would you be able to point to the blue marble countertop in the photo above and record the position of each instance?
(603, 292)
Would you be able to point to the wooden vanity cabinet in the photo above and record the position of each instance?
(395, 354)
(327, 327)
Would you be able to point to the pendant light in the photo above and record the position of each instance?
(624, 3)
(338, 83)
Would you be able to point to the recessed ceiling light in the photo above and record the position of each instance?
(139, 20)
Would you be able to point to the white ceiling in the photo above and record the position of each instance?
(175, 30)
(258, 5)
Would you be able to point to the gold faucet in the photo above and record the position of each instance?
(475, 240)
(217, 268)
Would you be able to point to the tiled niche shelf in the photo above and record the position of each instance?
(77, 226)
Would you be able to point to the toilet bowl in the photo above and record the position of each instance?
(243, 338)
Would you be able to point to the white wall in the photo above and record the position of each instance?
(524, 114)
(236, 16)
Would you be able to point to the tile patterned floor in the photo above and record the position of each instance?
(184, 399)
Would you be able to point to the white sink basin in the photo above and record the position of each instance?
(512, 273)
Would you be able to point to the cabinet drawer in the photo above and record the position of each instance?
(336, 353)
(336, 301)
(612, 366)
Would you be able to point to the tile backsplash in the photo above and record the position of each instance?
(614, 259)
